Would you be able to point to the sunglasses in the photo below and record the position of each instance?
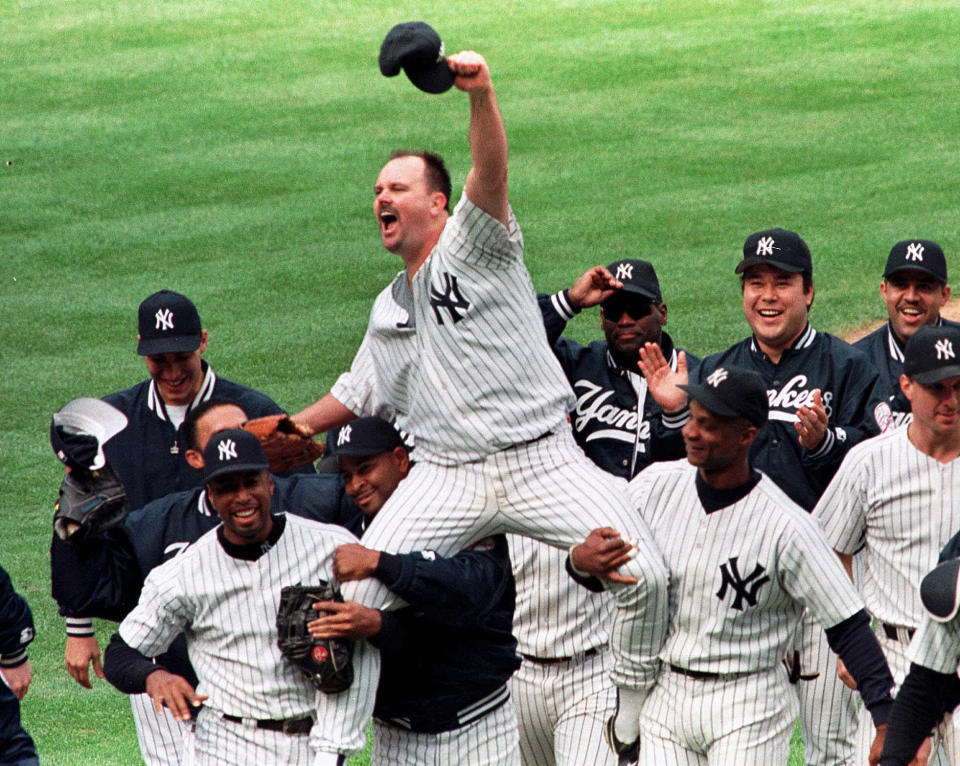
(615, 306)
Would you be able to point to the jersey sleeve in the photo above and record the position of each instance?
(477, 239)
(354, 389)
(162, 612)
(459, 590)
(811, 572)
(16, 624)
(936, 645)
(842, 509)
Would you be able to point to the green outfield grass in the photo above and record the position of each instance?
(228, 150)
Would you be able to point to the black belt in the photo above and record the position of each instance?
(285, 725)
(559, 660)
(893, 632)
(702, 675)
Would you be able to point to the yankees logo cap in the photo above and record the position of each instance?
(780, 248)
(168, 323)
(917, 255)
(931, 354)
(362, 436)
(638, 277)
(79, 430)
(732, 392)
(415, 47)
(232, 451)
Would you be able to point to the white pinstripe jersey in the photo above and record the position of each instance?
(227, 607)
(476, 374)
(739, 576)
(936, 645)
(554, 617)
(900, 506)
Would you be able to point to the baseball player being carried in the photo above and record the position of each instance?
(459, 360)
(914, 289)
(744, 563)
(896, 500)
(446, 658)
(824, 396)
(223, 593)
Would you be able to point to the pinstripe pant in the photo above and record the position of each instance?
(561, 711)
(488, 741)
(215, 742)
(828, 709)
(548, 490)
(946, 738)
(160, 736)
(741, 720)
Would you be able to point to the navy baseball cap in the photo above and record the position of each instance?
(780, 248)
(232, 451)
(733, 392)
(416, 47)
(168, 323)
(917, 255)
(931, 354)
(940, 591)
(79, 430)
(638, 277)
(362, 436)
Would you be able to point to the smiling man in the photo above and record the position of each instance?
(222, 593)
(914, 289)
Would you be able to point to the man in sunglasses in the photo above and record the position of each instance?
(618, 421)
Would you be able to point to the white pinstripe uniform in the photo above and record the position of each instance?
(562, 704)
(900, 506)
(740, 578)
(228, 609)
(936, 645)
(462, 356)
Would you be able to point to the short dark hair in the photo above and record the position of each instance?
(438, 178)
(190, 421)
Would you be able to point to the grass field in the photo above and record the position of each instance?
(228, 151)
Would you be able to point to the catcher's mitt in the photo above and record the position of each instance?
(328, 662)
(90, 501)
(286, 444)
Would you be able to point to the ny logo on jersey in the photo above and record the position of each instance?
(765, 246)
(164, 319)
(450, 299)
(944, 349)
(717, 377)
(914, 251)
(227, 449)
(624, 271)
(344, 436)
(740, 584)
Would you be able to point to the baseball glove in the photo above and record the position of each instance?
(286, 444)
(90, 501)
(328, 663)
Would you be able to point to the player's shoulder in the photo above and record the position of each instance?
(333, 534)
(778, 504)
(838, 350)
(656, 475)
(738, 354)
(253, 402)
(128, 400)
(873, 342)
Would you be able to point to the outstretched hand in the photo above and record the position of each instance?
(662, 380)
(811, 423)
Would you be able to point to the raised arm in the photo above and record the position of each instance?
(486, 185)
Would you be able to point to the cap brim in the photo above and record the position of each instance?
(939, 591)
(176, 345)
(911, 267)
(746, 263)
(935, 376)
(436, 78)
(707, 396)
(93, 417)
(234, 468)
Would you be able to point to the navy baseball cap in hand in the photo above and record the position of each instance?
(416, 47)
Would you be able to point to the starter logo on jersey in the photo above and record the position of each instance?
(624, 271)
(746, 588)
(227, 450)
(765, 246)
(944, 349)
(164, 319)
(593, 405)
(450, 299)
(914, 252)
